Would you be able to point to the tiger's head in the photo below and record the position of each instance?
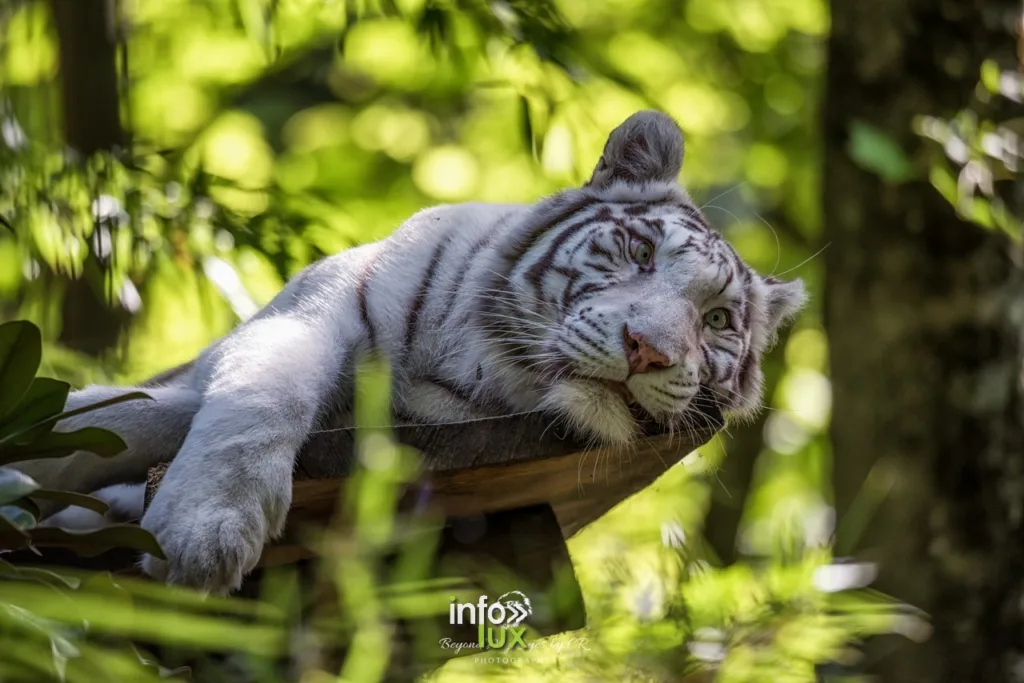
(619, 295)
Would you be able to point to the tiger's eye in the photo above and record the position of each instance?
(642, 252)
(717, 318)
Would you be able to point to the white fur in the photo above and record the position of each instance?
(125, 501)
(234, 421)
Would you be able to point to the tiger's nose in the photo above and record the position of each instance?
(642, 356)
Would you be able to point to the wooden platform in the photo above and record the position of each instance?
(484, 467)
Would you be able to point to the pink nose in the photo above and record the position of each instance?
(642, 356)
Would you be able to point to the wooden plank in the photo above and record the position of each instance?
(488, 466)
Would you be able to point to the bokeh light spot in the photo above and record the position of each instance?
(766, 165)
(234, 148)
(449, 173)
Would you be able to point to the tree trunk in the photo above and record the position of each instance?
(923, 313)
(92, 123)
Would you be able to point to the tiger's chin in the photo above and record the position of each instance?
(610, 412)
(594, 409)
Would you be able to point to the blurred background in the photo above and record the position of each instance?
(166, 166)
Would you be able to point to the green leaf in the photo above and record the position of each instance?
(28, 506)
(528, 133)
(45, 576)
(876, 488)
(15, 485)
(943, 181)
(180, 672)
(11, 536)
(21, 349)
(874, 151)
(76, 499)
(130, 396)
(990, 76)
(59, 444)
(18, 517)
(89, 543)
(44, 399)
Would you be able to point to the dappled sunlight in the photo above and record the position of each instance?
(806, 396)
(266, 135)
(391, 51)
(398, 132)
(31, 54)
(234, 148)
(447, 173)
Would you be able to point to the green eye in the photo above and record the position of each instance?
(717, 318)
(642, 252)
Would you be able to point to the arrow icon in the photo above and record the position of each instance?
(520, 609)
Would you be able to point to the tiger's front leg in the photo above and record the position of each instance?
(229, 489)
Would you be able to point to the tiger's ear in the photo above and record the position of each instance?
(783, 300)
(646, 147)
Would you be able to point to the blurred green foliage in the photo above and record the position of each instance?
(266, 133)
(977, 149)
(270, 133)
(30, 408)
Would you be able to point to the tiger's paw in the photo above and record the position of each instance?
(209, 550)
(212, 538)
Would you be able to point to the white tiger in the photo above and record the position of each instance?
(593, 299)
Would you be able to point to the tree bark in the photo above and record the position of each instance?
(923, 313)
(88, 74)
(92, 124)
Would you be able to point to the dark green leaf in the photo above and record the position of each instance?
(44, 399)
(11, 453)
(49, 422)
(14, 485)
(58, 444)
(28, 506)
(11, 537)
(100, 540)
(528, 135)
(874, 151)
(19, 518)
(8, 570)
(21, 349)
(76, 499)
